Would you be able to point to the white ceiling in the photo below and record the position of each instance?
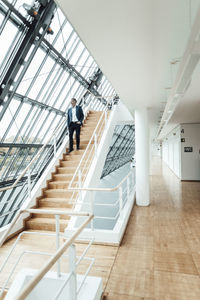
(133, 41)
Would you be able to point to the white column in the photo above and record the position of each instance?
(142, 156)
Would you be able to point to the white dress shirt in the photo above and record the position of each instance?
(74, 118)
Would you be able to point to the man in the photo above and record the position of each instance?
(74, 122)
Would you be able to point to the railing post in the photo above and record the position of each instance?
(95, 144)
(133, 177)
(58, 241)
(54, 145)
(29, 183)
(128, 188)
(120, 202)
(106, 117)
(80, 183)
(72, 269)
(92, 208)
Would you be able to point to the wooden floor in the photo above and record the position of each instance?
(159, 258)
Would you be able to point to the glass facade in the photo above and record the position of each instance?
(122, 149)
(43, 63)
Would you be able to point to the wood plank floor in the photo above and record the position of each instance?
(159, 257)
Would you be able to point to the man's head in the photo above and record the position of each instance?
(73, 102)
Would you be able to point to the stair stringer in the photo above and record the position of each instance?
(117, 116)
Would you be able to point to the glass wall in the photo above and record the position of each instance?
(43, 63)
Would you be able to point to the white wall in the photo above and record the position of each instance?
(171, 150)
(190, 161)
(186, 165)
(119, 116)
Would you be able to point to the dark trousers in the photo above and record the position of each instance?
(74, 127)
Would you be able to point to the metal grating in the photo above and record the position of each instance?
(121, 150)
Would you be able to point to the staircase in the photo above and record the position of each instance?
(56, 195)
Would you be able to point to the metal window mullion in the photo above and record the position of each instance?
(36, 136)
(17, 39)
(36, 75)
(24, 123)
(122, 143)
(6, 18)
(11, 122)
(85, 62)
(9, 214)
(61, 90)
(40, 158)
(108, 92)
(24, 160)
(113, 146)
(105, 88)
(33, 123)
(55, 64)
(52, 69)
(35, 103)
(19, 80)
(36, 44)
(103, 84)
(4, 159)
(6, 204)
(12, 162)
(58, 74)
(73, 47)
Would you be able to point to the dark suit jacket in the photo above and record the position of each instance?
(79, 115)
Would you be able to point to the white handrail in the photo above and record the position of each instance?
(30, 286)
(84, 154)
(38, 211)
(101, 189)
(33, 160)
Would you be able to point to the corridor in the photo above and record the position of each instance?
(159, 258)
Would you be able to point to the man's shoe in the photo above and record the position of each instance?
(70, 151)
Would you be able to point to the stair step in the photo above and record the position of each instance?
(58, 193)
(95, 112)
(55, 202)
(45, 224)
(69, 163)
(61, 184)
(66, 177)
(35, 215)
(89, 124)
(74, 157)
(65, 170)
(62, 177)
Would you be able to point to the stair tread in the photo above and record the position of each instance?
(58, 190)
(54, 199)
(46, 220)
(51, 208)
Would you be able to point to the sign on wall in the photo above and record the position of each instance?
(188, 149)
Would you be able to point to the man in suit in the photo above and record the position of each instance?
(74, 122)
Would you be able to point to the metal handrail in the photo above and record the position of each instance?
(84, 154)
(33, 160)
(38, 211)
(101, 189)
(59, 252)
(32, 283)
